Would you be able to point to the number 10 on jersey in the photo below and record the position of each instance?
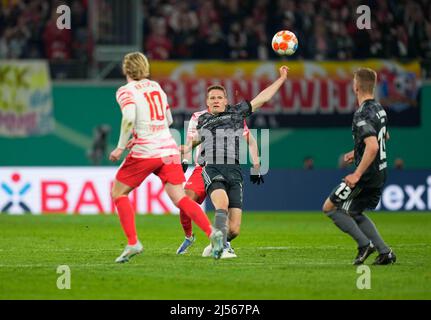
(156, 109)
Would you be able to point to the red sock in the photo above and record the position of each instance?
(194, 211)
(127, 218)
(186, 222)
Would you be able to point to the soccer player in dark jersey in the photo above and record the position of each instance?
(195, 186)
(219, 135)
(362, 189)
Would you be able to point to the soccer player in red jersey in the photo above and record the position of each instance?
(146, 114)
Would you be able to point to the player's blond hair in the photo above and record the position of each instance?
(366, 79)
(216, 87)
(136, 66)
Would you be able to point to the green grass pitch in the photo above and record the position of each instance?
(280, 256)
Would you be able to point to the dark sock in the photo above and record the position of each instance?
(230, 237)
(221, 223)
(346, 224)
(370, 230)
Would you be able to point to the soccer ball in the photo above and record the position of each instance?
(284, 43)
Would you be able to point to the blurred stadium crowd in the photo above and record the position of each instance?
(227, 29)
(28, 30)
(243, 29)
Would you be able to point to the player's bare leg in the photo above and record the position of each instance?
(195, 212)
(126, 214)
(328, 206)
(234, 227)
(235, 217)
(186, 223)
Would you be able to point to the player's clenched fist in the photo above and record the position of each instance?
(116, 154)
(284, 70)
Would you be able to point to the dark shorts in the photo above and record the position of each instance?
(226, 177)
(356, 200)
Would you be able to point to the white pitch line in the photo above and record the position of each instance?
(338, 247)
(301, 247)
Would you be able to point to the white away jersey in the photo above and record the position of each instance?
(152, 138)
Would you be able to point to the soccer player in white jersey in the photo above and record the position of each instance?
(146, 114)
(195, 187)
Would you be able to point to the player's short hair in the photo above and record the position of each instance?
(366, 79)
(136, 66)
(216, 87)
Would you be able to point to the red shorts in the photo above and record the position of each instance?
(196, 184)
(134, 170)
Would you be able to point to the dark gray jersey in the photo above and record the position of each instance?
(221, 133)
(371, 120)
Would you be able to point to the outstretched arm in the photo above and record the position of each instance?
(269, 92)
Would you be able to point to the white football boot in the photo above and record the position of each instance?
(228, 253)
(129, 252)
(207, 251)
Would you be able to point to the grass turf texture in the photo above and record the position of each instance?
(280, 256)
